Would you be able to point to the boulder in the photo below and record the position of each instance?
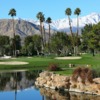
(96, 80)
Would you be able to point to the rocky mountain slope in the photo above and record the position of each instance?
(24, 27)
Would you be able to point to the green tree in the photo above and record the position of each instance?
(4, 44)
(85, 38)
(24, 51)
(31, 45)
(30, 49)
(58, 42)
(18, 42)
(28, 46)
(37, 43)
(91, 37)
(96, 31)
(12, 13)
(27, 40)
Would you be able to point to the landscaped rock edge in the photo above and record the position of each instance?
(60, 82)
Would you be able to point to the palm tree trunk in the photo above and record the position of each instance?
(49, 40)
(49, 33)
(77, 26)
(14, 44)
(44, 36)
(77, 35)
(70, 26)
(41, 36)
(73, 44)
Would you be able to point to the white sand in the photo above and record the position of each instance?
(13, 63)
(68, 58)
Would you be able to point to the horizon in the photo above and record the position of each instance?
(29, 9)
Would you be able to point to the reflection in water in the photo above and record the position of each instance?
(54, 95)
(59, 95)
(19, 81)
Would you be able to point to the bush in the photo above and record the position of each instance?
(83, 72)
(53, 67)
(96, 73)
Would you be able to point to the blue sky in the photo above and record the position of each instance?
(51, 8)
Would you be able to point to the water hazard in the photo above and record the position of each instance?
(20, 86)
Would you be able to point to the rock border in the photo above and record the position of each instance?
(64, 83)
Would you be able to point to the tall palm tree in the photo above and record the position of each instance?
(12, 13)
(77, 12)
(49, 20)
(41, 18)
(68, 12)
(43, 30)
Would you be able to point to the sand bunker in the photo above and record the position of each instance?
(13, 63)
(68, 58)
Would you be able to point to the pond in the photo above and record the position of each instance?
(20, 86)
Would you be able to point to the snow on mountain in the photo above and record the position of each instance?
(63, 24)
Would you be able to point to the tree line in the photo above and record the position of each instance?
(58, 43)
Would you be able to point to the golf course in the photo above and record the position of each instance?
(42, 63)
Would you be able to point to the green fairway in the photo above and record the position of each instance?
(38, 63)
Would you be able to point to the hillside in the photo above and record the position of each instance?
(22, 28)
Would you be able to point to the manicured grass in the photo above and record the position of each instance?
(38, 63)
(65, 72)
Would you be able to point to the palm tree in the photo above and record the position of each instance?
(49, 21)
(12, 13)
(77, 12)
(41, 18)
(43, 30)
(68, 12)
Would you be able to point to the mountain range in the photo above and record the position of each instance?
(63, 24)
(25, 27)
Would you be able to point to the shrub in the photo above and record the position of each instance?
(85, 74)
(53, 67)
(96, 73)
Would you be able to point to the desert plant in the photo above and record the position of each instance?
(84, 73)
(53, 67)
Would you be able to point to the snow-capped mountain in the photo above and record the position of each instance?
(25, 27)
(63, 24)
